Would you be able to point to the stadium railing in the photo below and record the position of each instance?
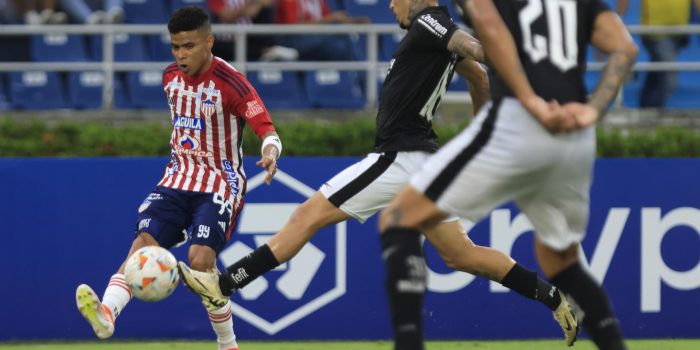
(371, 65)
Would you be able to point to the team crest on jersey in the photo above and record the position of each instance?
(183, 122)
(208, 108)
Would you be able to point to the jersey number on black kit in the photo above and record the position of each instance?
(560, 44)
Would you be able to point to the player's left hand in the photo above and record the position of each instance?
(584, 114)
(269, 163)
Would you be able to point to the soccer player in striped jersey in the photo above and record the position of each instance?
(203, 185)
(422, 66)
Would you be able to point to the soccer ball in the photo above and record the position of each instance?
(151, 273)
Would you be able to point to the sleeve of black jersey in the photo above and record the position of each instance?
(433, 30)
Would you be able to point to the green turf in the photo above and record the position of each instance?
(667, 344)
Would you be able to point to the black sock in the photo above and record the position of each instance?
(599, 320)
(527, 284)
(247, 269)
(405, 283)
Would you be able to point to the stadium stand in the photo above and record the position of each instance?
(127, 48)
(58, 47)
(388, 44)
(146, 11)
(4, 97)
(176, 4)
(37, 90)
(145, 90)
(85, 90)
(279, 89)
(159, 47)
(376, 10)
(334, 89)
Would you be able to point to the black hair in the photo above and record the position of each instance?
(187, 19)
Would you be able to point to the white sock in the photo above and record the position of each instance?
(222, 322)
(117, 295)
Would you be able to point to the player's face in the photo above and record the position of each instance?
(400, 9)
(192, 51)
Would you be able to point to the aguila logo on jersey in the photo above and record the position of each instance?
(432, 25)
(183, 122)
(208, 108)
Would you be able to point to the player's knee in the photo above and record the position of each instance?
(392, 218)
(201, 262)
(143, 239)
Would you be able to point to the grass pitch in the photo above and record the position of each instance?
(665, 344)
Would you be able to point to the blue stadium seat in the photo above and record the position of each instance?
(632, 90)
(37, 90)
(279, 89)
(176, 4)
(381, 75)
(377, 10)
(388, 44)
(146, 11)
(690, 53)
(127, 48)
(4, 96)
(359, 45)
(145, 90)
(452, 11)
(336, 5)
(85, 90)
(159, 48)
(58, 47)
(334, 89)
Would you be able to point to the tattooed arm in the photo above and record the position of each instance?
(611, 37)
(465, 45)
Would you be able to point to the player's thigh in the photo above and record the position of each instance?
(559, 208)
(450, 240)
(463, 179)
(411, 209)
(212, 223)
(369, 185)
(164, 216)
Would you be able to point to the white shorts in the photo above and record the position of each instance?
(505, 154)
(368, 186)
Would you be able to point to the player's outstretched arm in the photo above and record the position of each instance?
(478, 81)
(611, 37)
(271, 150)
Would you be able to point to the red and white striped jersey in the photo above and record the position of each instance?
(208, 114)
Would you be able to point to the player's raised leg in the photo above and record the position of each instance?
(309, 217)
(460, 253)
(102, 314)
